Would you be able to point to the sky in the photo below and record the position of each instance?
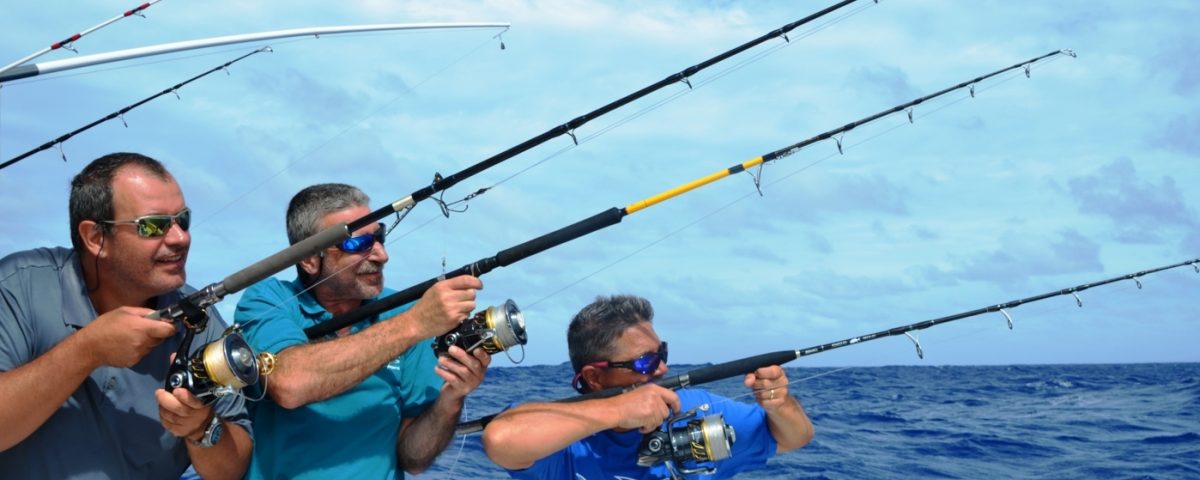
(1079, 173)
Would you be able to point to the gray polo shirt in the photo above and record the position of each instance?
(108, 428)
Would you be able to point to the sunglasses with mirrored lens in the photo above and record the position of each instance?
(363, 243)
(157, 225)
(645, 364)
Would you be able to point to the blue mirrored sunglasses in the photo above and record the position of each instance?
(363, 243)
(157, 225)
(646, 365)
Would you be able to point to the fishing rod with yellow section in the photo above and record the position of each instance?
(614, 215)
(213, 293)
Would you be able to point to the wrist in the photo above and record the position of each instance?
(209, 434)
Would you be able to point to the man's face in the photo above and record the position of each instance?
(144, 266)
(352, 276)
(634, 342)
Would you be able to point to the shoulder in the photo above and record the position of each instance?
(269, 293)
(25, 262)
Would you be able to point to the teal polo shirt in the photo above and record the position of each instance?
(351, 435)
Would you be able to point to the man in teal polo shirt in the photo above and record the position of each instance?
(372, 400)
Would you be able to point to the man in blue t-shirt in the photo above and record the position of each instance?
(372, 400)
(612, 343)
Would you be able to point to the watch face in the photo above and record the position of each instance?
(212, 435)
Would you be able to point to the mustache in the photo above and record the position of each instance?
(369, 267)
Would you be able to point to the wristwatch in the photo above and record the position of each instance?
(211, 435)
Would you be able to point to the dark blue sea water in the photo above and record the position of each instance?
(1029, 421)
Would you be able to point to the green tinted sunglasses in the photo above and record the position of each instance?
(157, 225)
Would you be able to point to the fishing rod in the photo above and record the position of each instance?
(120, 113)
(750, 364)
(69, 41)
(329, 237)
(614, 215)
(441, 183)
(151, 50)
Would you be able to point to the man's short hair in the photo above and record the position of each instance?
(92, 189)
(595, 329)
(310, 205)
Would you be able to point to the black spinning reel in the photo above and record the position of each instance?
(703, 439)
(495, 329)
(223, 367)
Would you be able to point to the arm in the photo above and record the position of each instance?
(119, 338)
(312, 372)
(527, 433)
(187, 417)
(421, 440)
(786, 420)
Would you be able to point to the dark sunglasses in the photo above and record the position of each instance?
(646, 364)
(363, 243)
(157, 225)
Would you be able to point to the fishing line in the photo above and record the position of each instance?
(604, 219)
(750, 59)
(120, 113)
(702, 218)
(741, 366)
(354, 265)
(360, 123)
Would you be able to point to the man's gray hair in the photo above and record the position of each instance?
(594, 330)
(310, 205)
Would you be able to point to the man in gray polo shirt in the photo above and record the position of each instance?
(81, 368)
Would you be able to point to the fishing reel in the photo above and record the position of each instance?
(494, 329)
(223, 367)
(703, 439)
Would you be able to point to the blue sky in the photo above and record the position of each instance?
(1078, 174)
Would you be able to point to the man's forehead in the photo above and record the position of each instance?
(637, 339)
(135, 189)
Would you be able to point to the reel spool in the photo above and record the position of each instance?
(705, 439)
(223, 367)
(494, 329)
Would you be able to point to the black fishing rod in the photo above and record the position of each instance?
(441, 183)
(69, 41)
(614, 215)
(329, 237)
(123, 111)
(750, 364)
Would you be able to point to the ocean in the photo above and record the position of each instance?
(1121, 421)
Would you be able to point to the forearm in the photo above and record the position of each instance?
(31, 393)
(527, 433)
(422, 440)
(227, 459)
(790, 426)
(317, 371)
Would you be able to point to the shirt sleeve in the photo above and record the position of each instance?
(15, 348)
(266, 314)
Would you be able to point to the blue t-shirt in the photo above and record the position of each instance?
(351, 435)
(109, 427)
(611, 455)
